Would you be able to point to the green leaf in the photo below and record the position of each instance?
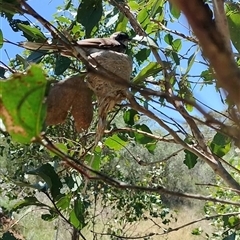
(48, 217)
(64, 202)
(114, 142)
(142, 55)
(190, 159)
(150, 70)
(73, 219)
(62, 64)
(89, 14)
(95, 160)
(177, 45)
(23, 110)
(233, 17)
(79, 210)
(133, 5)
(8, 236)
(175, 58)
(143, 17)
(142, 138)
(220, 145)
(48, 174)
(174, 10)
(1, 38)
(151, 147)
(122, 23)
(191, 60)
(232, 236)
(36, 56)
(168, 39)
(2, 72)
(207, 76)
(28, 201)
(32, 31)
(130, 117)
(157, 8)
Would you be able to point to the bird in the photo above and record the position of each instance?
(117, 42)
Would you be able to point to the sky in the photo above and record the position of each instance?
(47, 8)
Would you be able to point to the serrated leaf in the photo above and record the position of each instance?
(23, 109)
(89, 14)
(115, 143)
(150, 70)
(190, 159)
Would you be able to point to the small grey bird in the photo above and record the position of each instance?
(117, 42)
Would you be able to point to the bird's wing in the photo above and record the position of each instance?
(102, 43)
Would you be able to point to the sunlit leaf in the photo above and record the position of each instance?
(115, 143)
(220, 144)
(177, 45)
(143, 17)
(143, 138)
(233, 17)
(32, 31)
(150, 70)
(23, 109)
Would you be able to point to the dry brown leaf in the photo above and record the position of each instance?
(72, 92)
(82, 108)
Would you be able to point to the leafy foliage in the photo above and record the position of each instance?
(124, 172)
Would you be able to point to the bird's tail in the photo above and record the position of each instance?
(34, 46)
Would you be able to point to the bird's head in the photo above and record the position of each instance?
(121, 37)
